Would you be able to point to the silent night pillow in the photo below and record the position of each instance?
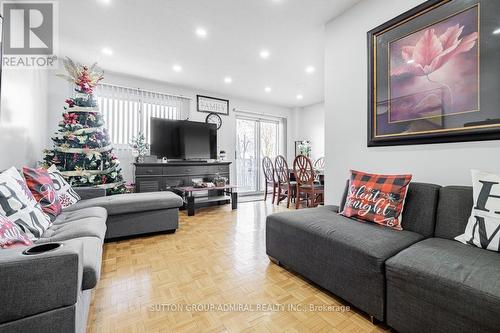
(18, 204)
(42, 188)
(376, 198)
(65, 193)
(11, 235)
(483, 228)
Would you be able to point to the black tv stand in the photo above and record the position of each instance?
(152, 177)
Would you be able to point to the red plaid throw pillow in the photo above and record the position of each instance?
(42, 188)
(376, 198)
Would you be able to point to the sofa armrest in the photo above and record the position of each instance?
(32, 284)
(90, 192)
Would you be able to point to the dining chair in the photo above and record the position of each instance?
(319, 164)
(307, 188)
(286, 188)
(269, 175)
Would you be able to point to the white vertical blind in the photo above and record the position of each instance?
(128, 111)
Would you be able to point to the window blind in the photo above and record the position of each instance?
(128, 111)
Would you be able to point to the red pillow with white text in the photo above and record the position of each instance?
(376, 198)
(42, 188)
(11, 235)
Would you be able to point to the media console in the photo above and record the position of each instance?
(153, 177)
(178, 176)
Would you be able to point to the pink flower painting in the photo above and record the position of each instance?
(434, 71)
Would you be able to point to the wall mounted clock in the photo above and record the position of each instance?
(214, 118)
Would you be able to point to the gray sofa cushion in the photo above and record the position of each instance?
(458, 284)
(421, 204)
(76, 215)
(133, 202)
(455, 206)
(342, 255)
(89, 222)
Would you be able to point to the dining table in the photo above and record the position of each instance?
(319, 172)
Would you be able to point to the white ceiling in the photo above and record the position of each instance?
(149, 36)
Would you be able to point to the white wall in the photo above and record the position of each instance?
(226, 136)
(346, 114)
(310, 125)
(23, 117)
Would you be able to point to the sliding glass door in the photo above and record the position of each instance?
(255, 138)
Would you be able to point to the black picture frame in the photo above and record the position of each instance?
(479, 130)
(226, 101)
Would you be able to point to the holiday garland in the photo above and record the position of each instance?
(82, 149)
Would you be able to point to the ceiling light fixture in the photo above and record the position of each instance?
(228, 80)
(177, 68)
(310, 69)
(105, 2)
(107, 51)
(496, 31)
(300, 97)
(264, 54)
(267, 89)
(201, 32)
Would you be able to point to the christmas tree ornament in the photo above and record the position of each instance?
(82, 150)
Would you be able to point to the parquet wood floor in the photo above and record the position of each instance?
(216, 257)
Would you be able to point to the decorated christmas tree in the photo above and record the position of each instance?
(82, 149)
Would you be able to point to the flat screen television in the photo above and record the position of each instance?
(183, 140)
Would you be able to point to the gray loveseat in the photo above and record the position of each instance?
(51, 291)
(416, 280)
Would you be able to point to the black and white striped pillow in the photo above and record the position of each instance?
(17, 203)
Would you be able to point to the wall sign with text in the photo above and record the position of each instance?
(212, 105)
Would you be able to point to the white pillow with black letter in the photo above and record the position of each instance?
(17, 203)
(483, 228)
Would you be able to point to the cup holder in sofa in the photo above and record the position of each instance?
(42, 248)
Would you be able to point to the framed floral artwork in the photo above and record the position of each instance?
(434, 74)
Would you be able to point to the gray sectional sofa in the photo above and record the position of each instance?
(51, 291)
(416, 280)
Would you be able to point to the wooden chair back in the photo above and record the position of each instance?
(282, 171)
(320, 163)
(268, 168)
(304, 171)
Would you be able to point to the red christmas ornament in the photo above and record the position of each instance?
(70, 118)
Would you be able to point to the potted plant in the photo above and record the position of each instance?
(219, 181)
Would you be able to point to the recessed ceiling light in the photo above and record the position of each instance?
(228, 80)
(107, 51)
(201, 32)
(299, 97)
(105, 2)
(497, 31)
(264, 54)
(310, 69)
(177, 68)
(267, 89)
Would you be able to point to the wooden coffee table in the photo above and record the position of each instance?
(225, 193)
